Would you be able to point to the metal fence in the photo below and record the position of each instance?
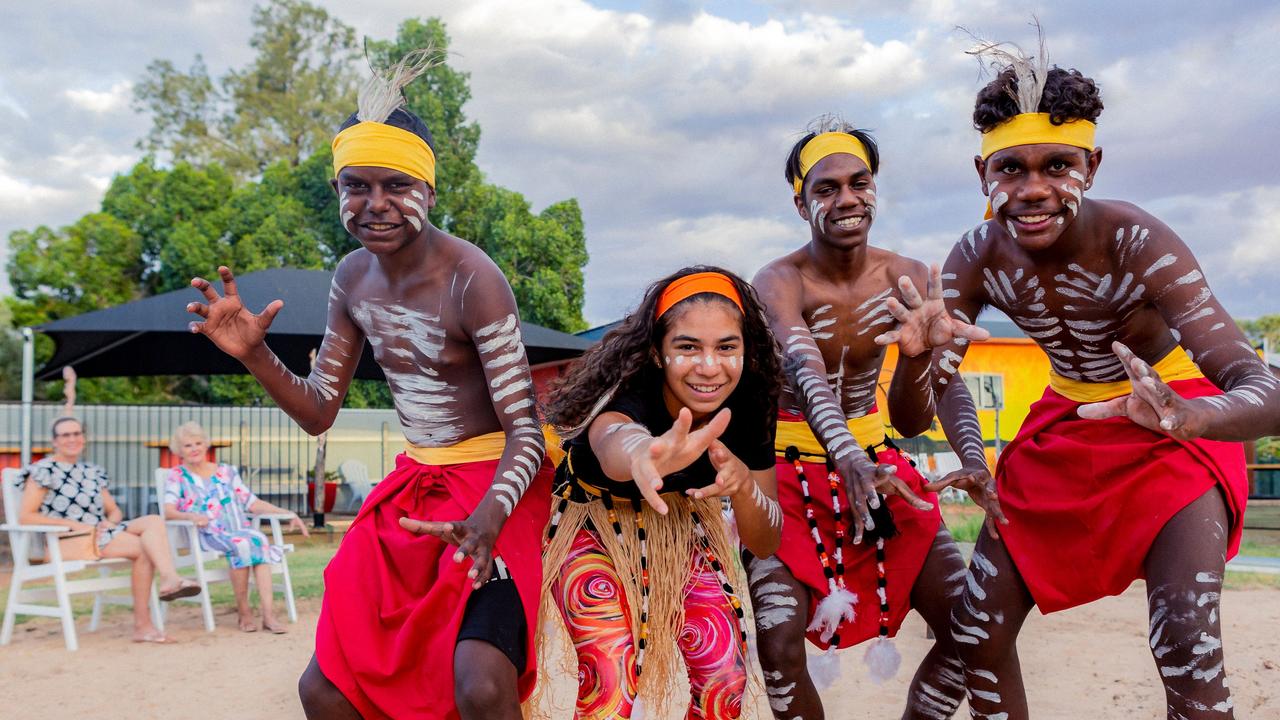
(274, 456)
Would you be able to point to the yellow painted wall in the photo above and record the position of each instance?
(1024, 366)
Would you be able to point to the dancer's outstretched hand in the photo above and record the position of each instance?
(732, 475)
(673, 450)
(891, 484)
(976, 481)
(923, 323)
(1152, 404)
(861, 478)
(227, 322)
(471, 536)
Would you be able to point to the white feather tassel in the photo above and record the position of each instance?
(882, 659)
(1029, 71)
(824, 669)
(637, 710)
(834, 609)
(381, 94)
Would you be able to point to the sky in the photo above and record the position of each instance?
(670, 121)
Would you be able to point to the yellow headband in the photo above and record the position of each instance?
(1034, 129)
(381, 145)
(828, 143)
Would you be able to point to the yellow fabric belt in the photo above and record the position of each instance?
(489, 446)
(1174, 366)
(867, 430)
(481, 447)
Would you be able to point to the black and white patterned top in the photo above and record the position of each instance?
(74, 492)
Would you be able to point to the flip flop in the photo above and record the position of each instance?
(186, 588)
(160, 639)
(275, 629)
(248, 625)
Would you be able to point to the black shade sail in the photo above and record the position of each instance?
(151, 337)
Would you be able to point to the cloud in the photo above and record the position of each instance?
(670, 124)
(114, 99)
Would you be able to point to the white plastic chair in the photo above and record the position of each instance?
(355, 484)
(25, 541)
(183, 534)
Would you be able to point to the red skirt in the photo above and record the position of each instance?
(904, 554)
(1085, 499)
(394, 601)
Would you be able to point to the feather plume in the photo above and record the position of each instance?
(882, 660)
(830, 122)
(834, 609)
(1030, 71)
(824, 669)
(383, 92)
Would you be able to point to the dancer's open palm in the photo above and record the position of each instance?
(673, 450)
(1152, 404)
(474, 537)
(227, 322)
(923, 322)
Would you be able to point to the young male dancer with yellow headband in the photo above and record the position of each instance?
(1108, 292)
(441, 569)
(841, 574)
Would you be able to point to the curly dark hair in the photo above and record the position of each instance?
(1068, 95)
(623, 360)
(792, 169)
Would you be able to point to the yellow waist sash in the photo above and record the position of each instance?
(867, 430)
(1174, 366)
(479, 448)
(489, 446)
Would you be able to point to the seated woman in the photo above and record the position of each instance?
(213, 496)
(62, 489)
(674, 409)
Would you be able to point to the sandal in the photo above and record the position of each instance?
(158, 638)
(186, 588)
(275, 628)
(248, 625)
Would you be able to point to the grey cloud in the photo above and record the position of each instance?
(671, 126)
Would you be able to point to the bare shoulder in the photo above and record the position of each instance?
(351, 267)
(895, 265)
(1137, 236)
(976, 245)
(779, 273)
(470, 264)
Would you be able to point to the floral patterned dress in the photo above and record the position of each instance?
(225, 500)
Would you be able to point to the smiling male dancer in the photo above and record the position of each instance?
(827, 304)
(411, 627)
(1093, 504)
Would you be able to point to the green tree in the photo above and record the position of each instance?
(541, 255)
(282, 107)
(10, 357)
(250, 187)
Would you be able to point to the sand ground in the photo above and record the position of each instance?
(1090, 662)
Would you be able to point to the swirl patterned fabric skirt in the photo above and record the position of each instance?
(594, 606)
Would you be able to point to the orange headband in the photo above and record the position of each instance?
(690, 285)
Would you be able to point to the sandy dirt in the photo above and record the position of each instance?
(1089, 662)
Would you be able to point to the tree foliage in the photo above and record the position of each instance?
(249, 187)
(281, 107)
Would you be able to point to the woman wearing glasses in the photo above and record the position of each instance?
(63, 489)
